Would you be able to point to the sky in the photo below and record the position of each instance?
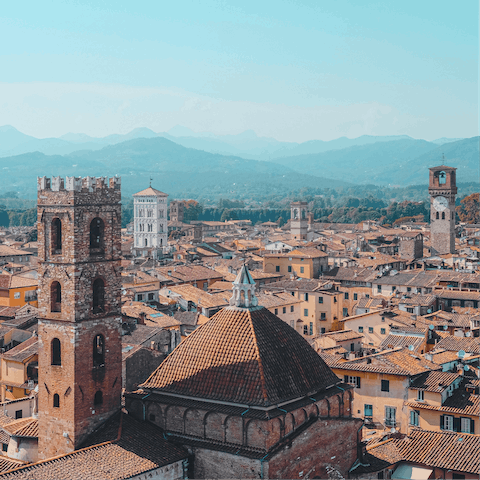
(291, 70)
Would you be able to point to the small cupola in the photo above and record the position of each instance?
(244, 290)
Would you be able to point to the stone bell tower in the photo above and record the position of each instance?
(298, 220)
(80, 357)
(442, 189)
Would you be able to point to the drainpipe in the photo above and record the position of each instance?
(261, 465)
(144, 408)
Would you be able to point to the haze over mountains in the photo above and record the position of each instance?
(187, 163)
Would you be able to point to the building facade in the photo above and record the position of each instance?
(150, 223)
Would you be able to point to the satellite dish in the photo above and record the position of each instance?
(393, 430)
(466, 368)
(467, 334)
(411, 347)
(431, 327)
(461, 354)
(429, 310)
(445, 327)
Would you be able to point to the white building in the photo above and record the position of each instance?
(150, 223)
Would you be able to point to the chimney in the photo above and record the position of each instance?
(141, 318)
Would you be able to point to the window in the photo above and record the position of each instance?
(409, 310)
(385, 386)
(355, 296)
(276, 311)
(414, 417)
(139, 297)
(98, 296)
(467, 425)
(446, 422)
(97, 228)
(98, 398)
(284, 310)
(320, 299)
(370, 329)
(368, 410)
(55, 297)
(302, 270)
(360, 329)
(437, 216)
(306, 297)
(146, 242)
(56, 400)
(390, 416)
(56, 352)
(305, 312)
(16, 295)
(150, 296)
(345, 312)
(345, 295)
(352, 380)
(149, 227)
(334, 299)
(311, 329)
(149, 213)
(305, 330)
(323, 316)
(393, 289)
(292, 308)
(379, 288)
(443, 215)
(322, 330)
(5, 447)
(289, 269)
(409, 289)
(99, 351)
(18, 414)
(420, 395)
(277, 268)
(56, 234)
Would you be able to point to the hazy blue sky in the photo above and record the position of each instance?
(293, 70)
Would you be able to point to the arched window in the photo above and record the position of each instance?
(55, 297)
(98, 399)
(56, 350)
(98, 296)
(146, 242)
(438, 215)
(99, 351)
(56, 235)
(443, 215)
(97, 229)
(56, 400)
(442, 178)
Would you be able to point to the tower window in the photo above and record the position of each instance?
(98, 296)
(98, 399)
(438, 215)
(56, 400)
(56, 348)
(55, 297)
(442, 178)
(98, 351)
(97, 228)
(56, 234)
(146, 242)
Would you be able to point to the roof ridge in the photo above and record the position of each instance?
(260, 364)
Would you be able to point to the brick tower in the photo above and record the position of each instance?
(176, 211)
(442, 189)
(80, 358)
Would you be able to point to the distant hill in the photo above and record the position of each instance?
(399, 162)
(175, 169)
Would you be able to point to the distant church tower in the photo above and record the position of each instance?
(80, 355)
(150, 219)
(299, 220)
(442, 189)
(176, 211)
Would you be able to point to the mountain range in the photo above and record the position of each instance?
(189, 165)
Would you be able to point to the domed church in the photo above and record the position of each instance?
(249, 398)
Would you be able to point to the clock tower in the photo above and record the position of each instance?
(442, 189)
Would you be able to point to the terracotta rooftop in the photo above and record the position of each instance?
(23, 351)
(435, 381)
(150, 192)
(243, 355)
(122, 448)
(454, 344)
(23, 427)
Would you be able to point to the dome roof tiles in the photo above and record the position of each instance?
(245, 356)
